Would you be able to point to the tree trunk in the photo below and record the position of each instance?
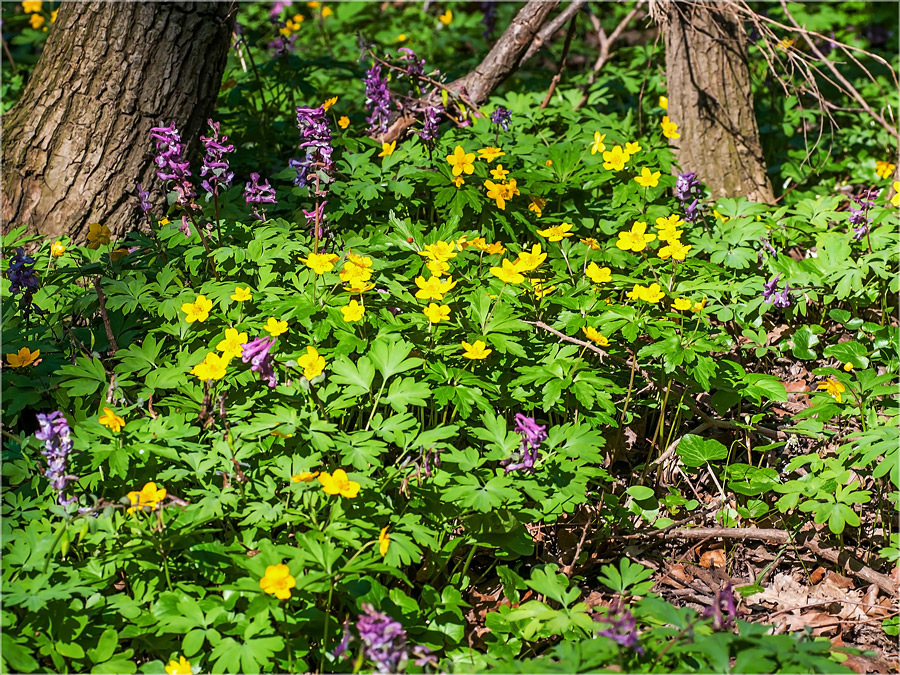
(710, 98)
(78, 141)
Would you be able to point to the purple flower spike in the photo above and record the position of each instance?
(501, 116)
(384, 640)
(771, 295)
(258, 193)
(144, 197)
(257, 353)
(688, 190)
(23, 280)
(416, 67)
(170, 162)
(724, 610)
(378, 98)
(54, 431)
(315, 140)
(769, 288)
(622, 626)
(215, 165)
(533, 434)
(430, 130)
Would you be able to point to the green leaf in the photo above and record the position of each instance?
(355, 378)
(695, 451)
(803, 342)
(106, 646)
(390, 359)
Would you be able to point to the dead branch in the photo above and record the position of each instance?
(547, 32)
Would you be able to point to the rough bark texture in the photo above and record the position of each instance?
(78, 141)
(711, 101)
(507, 55)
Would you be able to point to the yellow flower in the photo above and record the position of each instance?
(313, 4)
(833, 387)
(326, 12)
(632, 148)
(785, 43)
(118, 254)
(681, 304)
(461, 161)
(384, 541)
(462, 243)
(719, 216)
(663, 102)
(636, 240)
(338, 484)
(242, 294)
(549, 162)
(387, 149)
(57, 248)
(508, 273)
(598, 145)
(494, 249)
(31, 6)
(180, 667)
(496, 191)
(437, 268)
(670, 235)
(400, 38)
(669, 129)
(527, 262)
(459, 181)
(499, 173)
(53, 15)
(330, 102)
(895, 200)
(476, 351)
(344, 122)
(884, 169)
(848, 367)
(434, 288)
(163, 222)
(675, 249)
(647, 178)
(25, 357)
(353, 311)
(615, 159)
(213, 367)
(98, 235)
(653, 294)
(437, 313)
(597, 274)
(446, 17)
(699, 305)
(537, 205)
(304, 477)
(592, 243)
(489, 154)
(320, 263)
(278, 581)
(36, 21)
(556, 232)
(233, 344)
(312, 363)
(595, 336)
(358, 286)
(274, 327)
(197, 310)
(111, 420)
(355, 274)
(440, 251)
(538, 288)
(671, 222)
(148, 496)
(363, 261)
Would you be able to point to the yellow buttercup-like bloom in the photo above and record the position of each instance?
(344, 122)
(648, 178)
(98, 235)
(242, 294)
(326, 12)
(338, 484)
(353, 311)
(539, 289)
(652, 294)
(636, 239)
(180, 667)
(490, 154)
(31, 6)
(597, 145)
(437, 313)
(213, 367)
(675, 249)
(672, 222)
(387, 149)
(476, 351)
(384, 541)
(895, 200)
(197, 310)
(446, 17)
(329, 102)
(597, 274)
(499, 173)
(528, 262)
(681, 304)
(595, 336)
(278, 581)
(320, 263)
(149, 496)
(312, 362)
(669, 128)
(36, 21)
(592, 243)
(57, 249)
(111, 420)
(508, 273)
(556, 232)
(437, 268)
(632, 148)
(23, 358)
(884, 169)
(233, 344)
(433, 288)
(498, 192)
(663, 102)
(441, 251)
(274, 327)
(848, 367)
(833, 387)
(615, 159)
(537, 205)
(461, 161)
(304, 477)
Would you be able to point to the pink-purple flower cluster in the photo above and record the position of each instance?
(54, 431)
(258, 193)
(258, 353)
(315, 141)
(501, 116)
(378, 98)
(622, 626)
(772, 296)
(533, 434)
(171, 164)
(22, 280)
(215, 171)
(724, 610)
(859, 217)
(688, 190)
(144, 199)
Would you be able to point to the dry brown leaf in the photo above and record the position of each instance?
(712, 558)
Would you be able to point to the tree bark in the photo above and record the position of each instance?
(710, 98)
(78, 141)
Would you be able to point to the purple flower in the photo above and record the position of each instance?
(258, 353)
(23, 280)
(859, 217)
(344, 645)
(279, 6)
(771, 295)
(315, 140)
(723, 611)
(214, 163)
(384, 640)
(55, 432)
(144, 197)
(416, 67)
(533, 434)
(501, 116)
(282, 45)
(314, 216)
(622, 626)
(688, 190)
(769, 288)
(424, 657)
(378, 98)
(430, 130)
(782, 299)
(258, 193)
(170, 162)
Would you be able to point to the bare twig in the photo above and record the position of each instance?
(562, 63)
(101, 301)
(546, 33)
(606, 44)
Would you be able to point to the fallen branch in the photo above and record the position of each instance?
(546, 33)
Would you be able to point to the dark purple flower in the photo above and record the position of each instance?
(859, 217)
(257, 352)
(771, 295)
(23, 280)
(501, 116)
(489, 20)
(533, 434)
(688, 190)
(430, 129)
(415, 67)
(724, 610)
(283, 44)
(622, 626)
(258, 193)
(344, 645)
(384, 640)
(215, 165)
(769, 288)
(144, 197)
(317, 215)
(54, 431)
(315, 140)
(430, 457)
(170, 162)
(782, 299)
(378, 98)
